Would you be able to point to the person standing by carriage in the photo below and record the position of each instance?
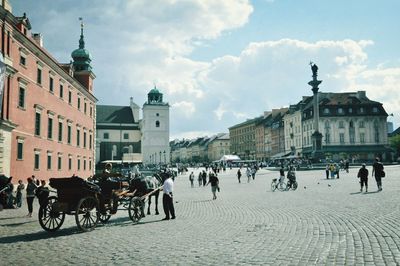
(30, 195)
(168, 200)
(18, 200)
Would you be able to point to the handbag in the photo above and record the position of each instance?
(383, 174)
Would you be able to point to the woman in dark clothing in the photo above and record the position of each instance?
(213, 179)
(377, 170)
(239, 175)
(30, 195)
(363, 175)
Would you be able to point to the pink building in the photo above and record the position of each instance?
(48, 111)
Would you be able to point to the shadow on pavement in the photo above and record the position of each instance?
(15, 217)
(38, 236)
(17, 224)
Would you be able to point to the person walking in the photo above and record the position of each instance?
(363, 175)
(377, 171)
(30, 195)
(214, 184)
(337, 170)
(239, 174)
(18, 200)
(204, 176)
(248, 173)
(191, 178)
(168, 200)
(281, 175)
(327, 171)
(200, 178)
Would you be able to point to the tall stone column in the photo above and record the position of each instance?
(316, 136)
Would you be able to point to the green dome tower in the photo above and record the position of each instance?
(81, 56)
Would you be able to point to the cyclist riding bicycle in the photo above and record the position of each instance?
(291, 175)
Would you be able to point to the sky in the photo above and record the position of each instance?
(220, 62)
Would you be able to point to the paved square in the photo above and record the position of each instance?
(324, 222)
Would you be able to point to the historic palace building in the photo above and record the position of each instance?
(48, 112)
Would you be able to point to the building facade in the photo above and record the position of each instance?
(48, 107)
(218, 146)
(242, 138)
(352, 126)
(155, 129)
(118, 133)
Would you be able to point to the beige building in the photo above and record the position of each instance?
(218, 146)
(243, 139)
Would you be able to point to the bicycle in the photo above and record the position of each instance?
(281, 186)
(291, 185)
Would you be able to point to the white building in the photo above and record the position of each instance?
(155, 129)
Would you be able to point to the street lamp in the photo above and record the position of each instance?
(165, 158)
(160, 157)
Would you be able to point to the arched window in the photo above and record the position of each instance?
(327, 124)
(157, 123)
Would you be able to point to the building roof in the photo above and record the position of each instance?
(114, 114)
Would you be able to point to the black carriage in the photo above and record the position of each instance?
(5, 186)
(89, 202)
(75, 196)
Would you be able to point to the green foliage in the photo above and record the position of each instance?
(395, 142)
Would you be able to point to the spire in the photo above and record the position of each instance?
(81, 40)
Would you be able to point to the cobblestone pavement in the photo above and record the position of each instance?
(324, 222)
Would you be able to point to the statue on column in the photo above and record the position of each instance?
(314, 69)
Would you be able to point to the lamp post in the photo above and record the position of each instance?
(165, 158)
(160, 157)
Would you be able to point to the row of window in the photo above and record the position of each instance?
(350, 110)
(351, 137)
(51, 86)
(60, 136)
(87, 164)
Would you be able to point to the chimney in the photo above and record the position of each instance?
(38, 38)
(361, 94)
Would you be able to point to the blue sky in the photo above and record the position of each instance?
(219, 62)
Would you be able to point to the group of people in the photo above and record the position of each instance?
(34, 188)
(377, 171)
(250, 173)
(202, 179)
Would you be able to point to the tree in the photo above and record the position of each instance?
(395, 143)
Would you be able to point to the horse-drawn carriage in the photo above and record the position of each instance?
(98, 200)
(5, 186)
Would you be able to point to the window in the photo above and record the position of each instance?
(340, 110)
(59, 162)
(21, 98)
(50, 128)
(157, 114)
(90, 141)
(106, 135)
(157, 123)
(37, 161)
(90, 165)
(51, 84)
(327, 125)
(79, 103)
(37, 124)
(39, 76)
(78, 137)
(341, 138)
(20, 150)
(326, 110)
(91, 111)
(361, 124)
(61, 91)
(374, 109)
(126, 135)
(22, 60)
(69, 134)
(84, 165)
(341, 124)
(49, 161)
(84, 139)
(79, 164)
(361, 110)
(84, 107)
(69, 163)
(327, 138)
(352, 138)
(70, 97)
(350, 110)
(362, 137)
(60, 131)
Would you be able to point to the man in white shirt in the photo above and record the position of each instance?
(168, 202)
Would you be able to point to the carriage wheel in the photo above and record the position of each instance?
(50, 219)
(135, 209)
(86, 214)
(104, 217)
